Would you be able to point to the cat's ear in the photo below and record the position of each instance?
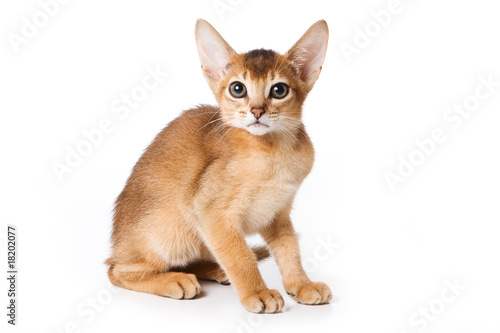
(213, 50)
(308, 54)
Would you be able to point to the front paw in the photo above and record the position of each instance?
(311, 293)
(266, 301)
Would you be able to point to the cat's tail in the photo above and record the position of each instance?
(261, 252)
(110, 262)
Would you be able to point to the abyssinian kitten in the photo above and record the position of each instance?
(217, 174)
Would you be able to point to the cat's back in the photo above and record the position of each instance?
(173, 162)
(181, 142)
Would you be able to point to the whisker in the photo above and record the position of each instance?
(219, 128)
(210, 122)
(213, 121)
(226, 135)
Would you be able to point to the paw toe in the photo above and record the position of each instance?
(312, 293)
(267, 301)
(183, 286)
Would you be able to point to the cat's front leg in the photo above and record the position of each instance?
(240, 264)
(284, 245)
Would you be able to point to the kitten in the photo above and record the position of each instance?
(217, 174)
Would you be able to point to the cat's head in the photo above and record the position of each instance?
(261, 91)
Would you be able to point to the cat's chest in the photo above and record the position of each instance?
(272, 181)
(279, 170)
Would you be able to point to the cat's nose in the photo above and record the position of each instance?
(257, 112)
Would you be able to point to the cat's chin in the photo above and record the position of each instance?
(258, 129)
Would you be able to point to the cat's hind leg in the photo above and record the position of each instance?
(212, 271)
(207, 270)
(143, 278)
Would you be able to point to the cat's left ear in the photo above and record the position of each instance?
(308, 54)
(213, 50)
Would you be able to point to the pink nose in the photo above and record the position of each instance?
(257, 112)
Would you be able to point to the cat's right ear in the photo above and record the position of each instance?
(213, 50)
(308, 54)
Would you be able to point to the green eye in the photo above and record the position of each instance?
(238, 90)
(279, 90)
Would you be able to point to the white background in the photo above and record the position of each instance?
(394, 250)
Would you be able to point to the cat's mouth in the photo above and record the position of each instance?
(258, 124)
(258, 128)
